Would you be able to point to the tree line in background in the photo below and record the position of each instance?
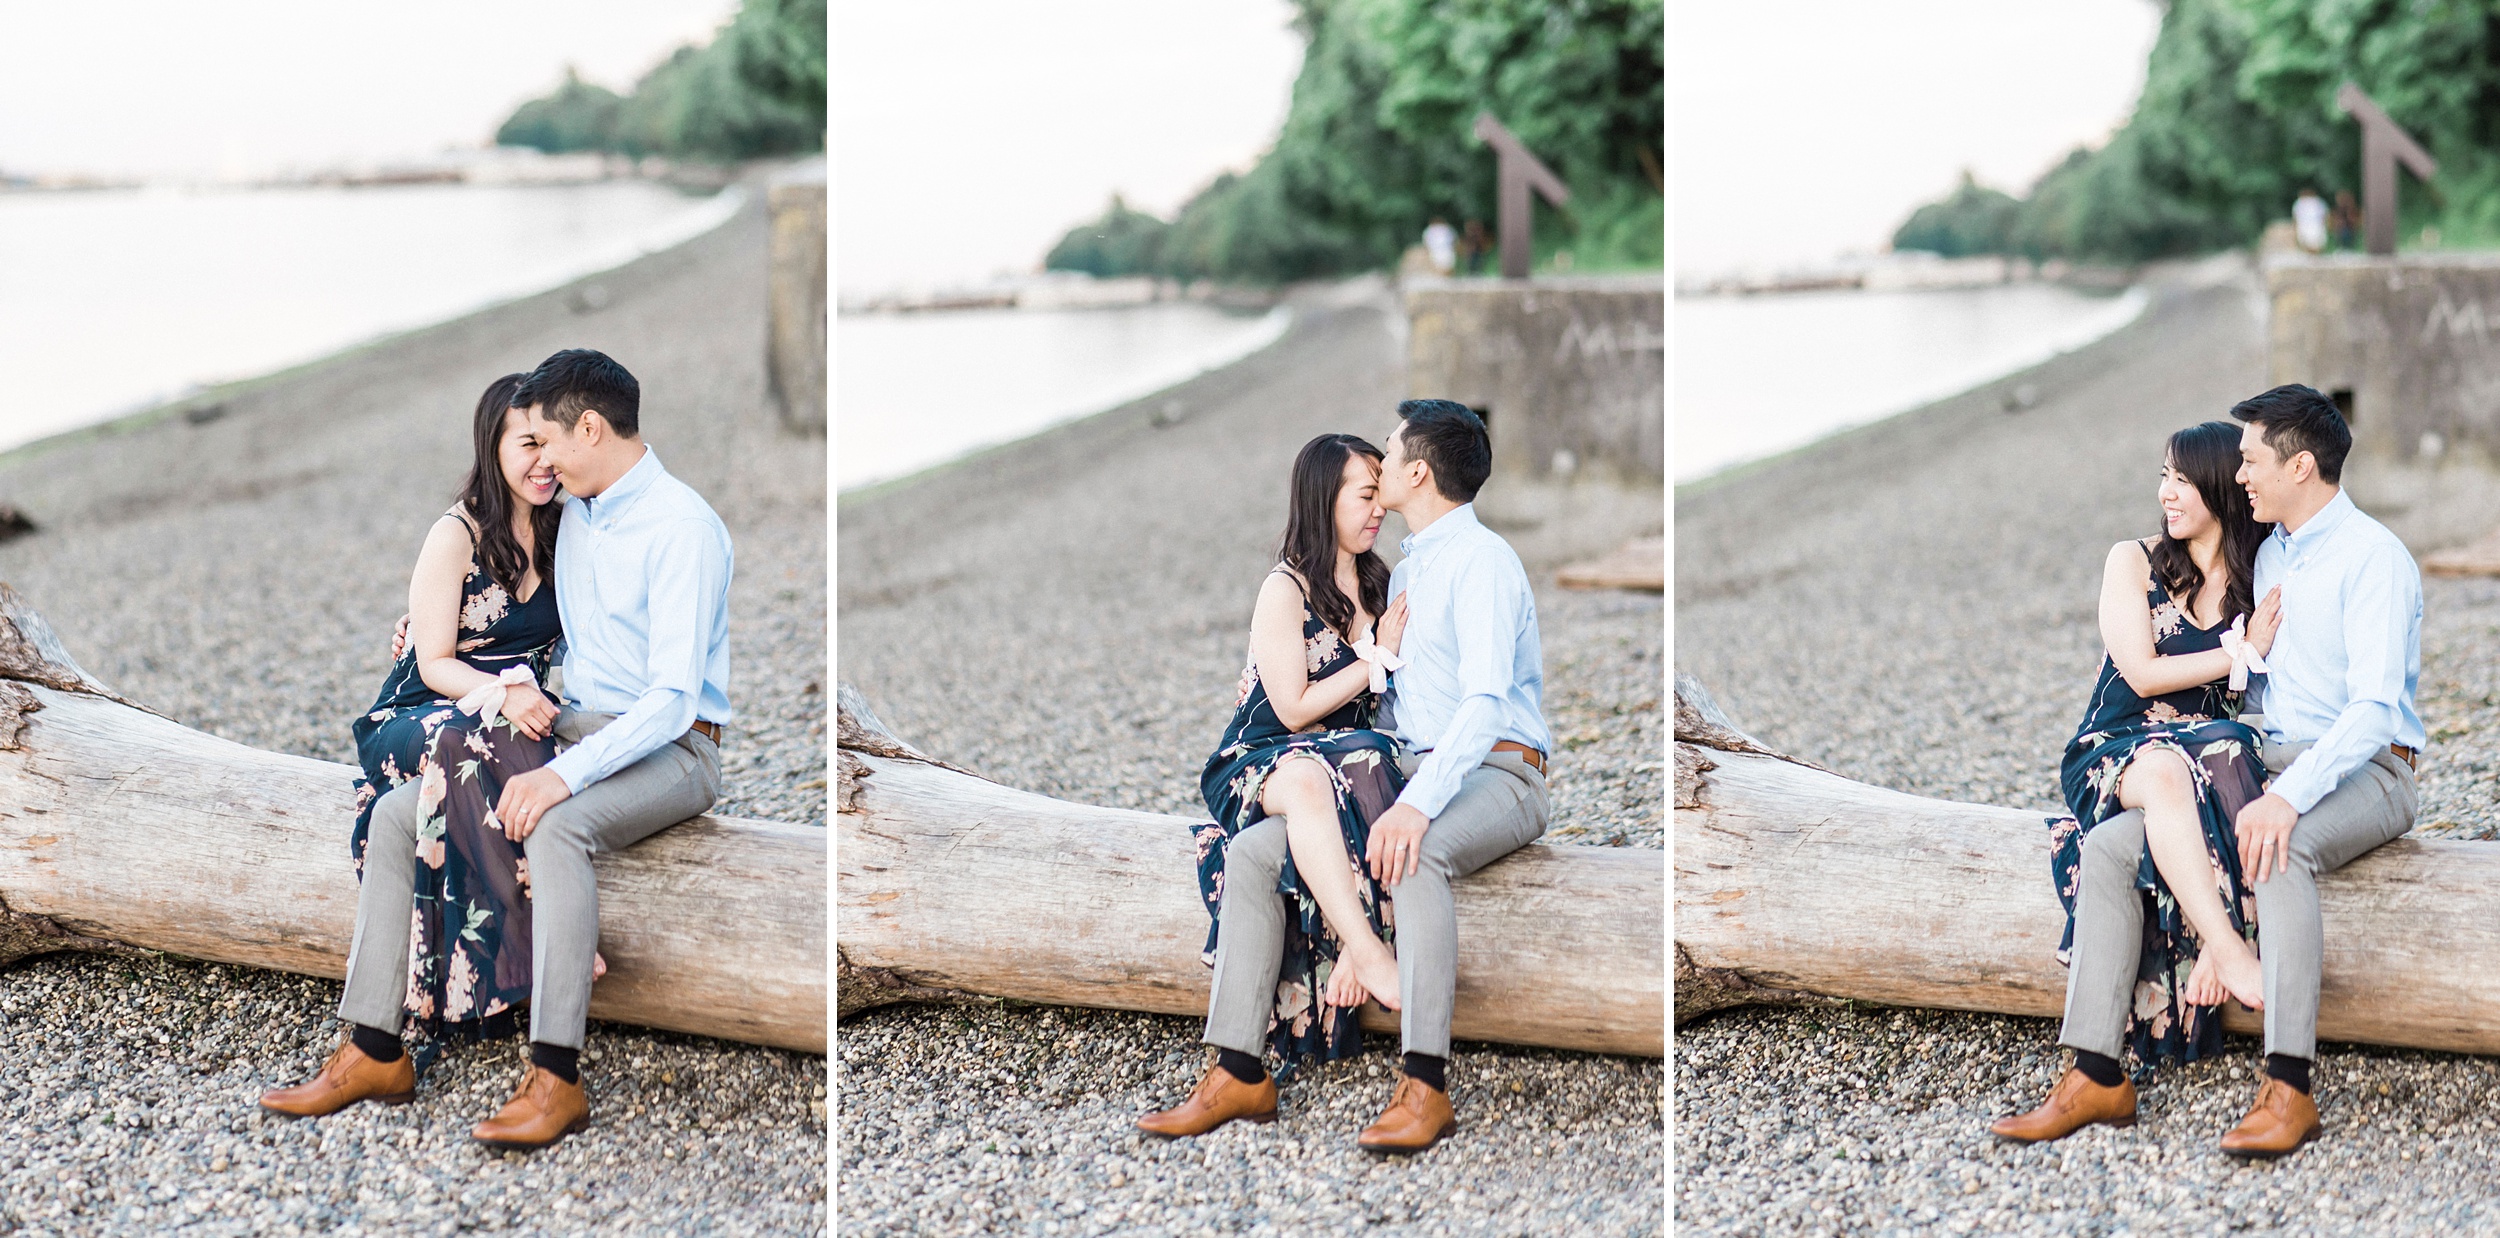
(757, 89)
(1376, 144)
(2238, 116)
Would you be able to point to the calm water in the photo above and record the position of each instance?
(1756, 376)
(914, 390)
(111, 302)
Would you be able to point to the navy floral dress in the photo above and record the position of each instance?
(470, 951)
(1363, 769)
(2223, 762)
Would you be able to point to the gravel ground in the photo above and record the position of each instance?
(1912, 605)
(1069, 615)
(241, 573)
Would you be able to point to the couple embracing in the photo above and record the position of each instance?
(486, 791)
(2189, 868)
(1386, 738)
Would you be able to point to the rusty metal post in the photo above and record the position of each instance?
(1518, 172)
(2382, 145)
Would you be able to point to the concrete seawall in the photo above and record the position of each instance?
(2410, 348)
(1571, 377)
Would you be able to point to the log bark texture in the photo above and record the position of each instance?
(950, 884)
(1795, 884)
(119, 827)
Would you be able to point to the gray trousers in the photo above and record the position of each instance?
(1500, 807)
(678, 781)
(2373, 804)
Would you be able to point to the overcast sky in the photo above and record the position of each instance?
(183, 88)
(1806, 128)
(970, 134)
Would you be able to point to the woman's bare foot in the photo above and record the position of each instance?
(598, 965)
(1344, 990)
(2202, 988)
(2239, 972)
(1376, 970)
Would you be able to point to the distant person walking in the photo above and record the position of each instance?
(1441, 245)
(2309, 221)
(2346, 221)
(1473, 244)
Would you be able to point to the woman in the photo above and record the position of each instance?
(462, 712)
(2159, 736)
(1299, 747)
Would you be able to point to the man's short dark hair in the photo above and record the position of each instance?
(566, 384)
(1450, 437)
(2298, 419)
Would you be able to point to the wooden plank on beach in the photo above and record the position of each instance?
(125, 827)
(2480, 557)
(949, 883)
(1793, 882)
(1639, 564)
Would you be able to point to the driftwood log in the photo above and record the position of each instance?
(120, 828)
(952, 886)
(1793, 884)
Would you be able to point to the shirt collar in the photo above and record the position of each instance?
(1459, 517)
(2328, 519)
(622, 492)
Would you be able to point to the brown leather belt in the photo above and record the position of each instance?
(2410, 756)
(1534, 758)
(708, 730)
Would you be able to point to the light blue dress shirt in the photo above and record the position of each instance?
(2349, 653)
(642, 579)
(1474, 672)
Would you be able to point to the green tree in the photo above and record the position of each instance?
(1121, 242)
(1377, 140)
(578, 116)
(757, 89)
(1974, 220)
(2238, 115)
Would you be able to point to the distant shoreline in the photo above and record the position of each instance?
(1905, 272)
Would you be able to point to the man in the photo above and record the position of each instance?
(2341, 735)
(642, 580)
(1467, 709)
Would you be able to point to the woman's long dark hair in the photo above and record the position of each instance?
(1310, 545)
(2208, 456)
(488, 498)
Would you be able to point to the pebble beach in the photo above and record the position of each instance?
(1069, 615)
(236, 562)
(1912, 605)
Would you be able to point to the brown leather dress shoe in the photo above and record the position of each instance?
(2076, 1102)
(2283, 1118)
(1219, 1098)
(544, 1110)
(1418, 1117)
(349, 1076)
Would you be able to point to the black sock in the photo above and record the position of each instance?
(2101, 1070)
(2289, 1069)
(1242, 1066)
(1425, 1068)
(381, 1046)
(557, 1060)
